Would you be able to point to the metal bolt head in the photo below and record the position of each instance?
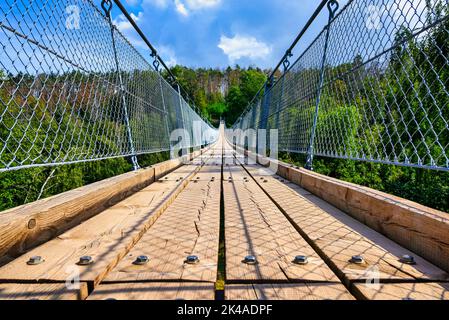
(141, 260)
(35, 260)
(357, 260)
(251, 260)
(192, 260)
(85, 260)
(407, 259)
(301, 260)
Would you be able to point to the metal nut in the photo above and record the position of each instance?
(301, 260)
(357, 260)
(192, 260)
(251, 260)
(85, 260)
(141, 260)
(35, 260)
(407, 259)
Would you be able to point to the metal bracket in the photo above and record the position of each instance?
(286, 62)
(107, 7)
(333, 7)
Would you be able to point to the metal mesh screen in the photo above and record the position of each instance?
(73, 89)
(385, 90)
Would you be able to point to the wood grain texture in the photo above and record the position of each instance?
(190, 226)
(296, 291)
(403, 291)
(107, 237)
(50, 291)
(339, 236)
(154, 291)
(416, 227)
(255, 226)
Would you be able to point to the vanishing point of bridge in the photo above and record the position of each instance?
(218, 223)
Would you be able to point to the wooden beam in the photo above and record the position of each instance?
(296, 291)
(154, 291)
(49, 291)
(403, 291)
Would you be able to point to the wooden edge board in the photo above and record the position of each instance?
(292, 291)
(154, 291)
(48, 291)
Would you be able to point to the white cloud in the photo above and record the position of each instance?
(128, 30)
(181, 8)
(162, 4)
(168, 55)
(243, 47)
(133, 2)
(201, 4)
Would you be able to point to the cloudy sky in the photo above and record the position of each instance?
(218, 33)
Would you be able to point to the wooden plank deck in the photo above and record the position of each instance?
(190, 226)
(255, 226)
(106, 237)
(264, 215)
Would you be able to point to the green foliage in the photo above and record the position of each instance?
(220, 93)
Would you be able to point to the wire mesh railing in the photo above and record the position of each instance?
(74, 89)
(372, 86)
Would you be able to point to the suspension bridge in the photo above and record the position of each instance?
(224, 219)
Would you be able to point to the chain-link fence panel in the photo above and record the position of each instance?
(74, 89)
(381, 95)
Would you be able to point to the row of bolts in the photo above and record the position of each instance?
(250, 260)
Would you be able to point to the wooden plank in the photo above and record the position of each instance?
(340, 237)
(106, 237)
(403, 291)
(154, 291)
(294, 291)
(190, 226)
(416, 227)
(50, 291)
(255, 226)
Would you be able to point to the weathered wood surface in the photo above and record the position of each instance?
(190, 226)
(416, 227)
(107, 237)
(255, 226)
(49, 291)
(154, 291)
(339, 237)
(294, 291)
(403, 291)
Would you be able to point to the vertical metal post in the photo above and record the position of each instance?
(167, 127)
(332, 6)
(182, 116)
(107, 6)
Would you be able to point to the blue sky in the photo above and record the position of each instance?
(218, 33)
